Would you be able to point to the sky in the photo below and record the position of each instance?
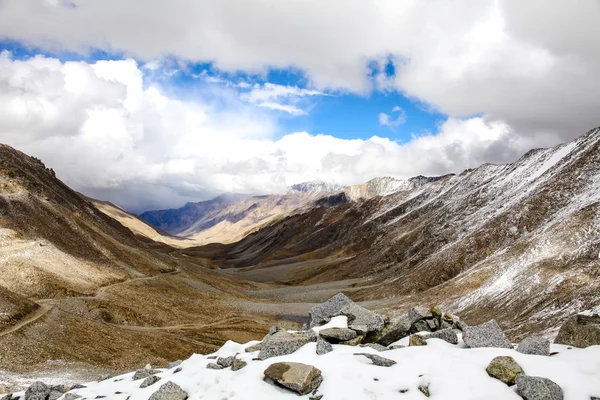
(151, 104)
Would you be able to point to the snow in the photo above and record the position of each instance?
(451, 371)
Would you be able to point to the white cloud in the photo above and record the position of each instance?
(387, 120)
(113, 136)
(532, 64)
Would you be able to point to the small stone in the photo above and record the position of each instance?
(337, 335)
(78, 386)
(488, 334)
(377, 360)
(143, 373)
(104, 377)
(538, 388)
(225, 362)
(354, 342)
(301, 378)
(432, 324)
(213, 366)
(37, 391)
(417, 340)
(420, 326)
(317, 397)
(375, 346)
(238, 364)
(505, 369)
(323, 346)
(169, 391)
(175, 364)
(178, 370)
(447, 335)
(71, 396)
(151, 380)
(425, 390)
(396, 346)
(535, 345)
(148, 366)
(253, 348)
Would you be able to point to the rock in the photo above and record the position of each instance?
(417, 340)
(37, 391)
(462, 325)
(396, 346)
(214, 366)
(425, 390)
(354, 342)
(273, 330)
(178, 370)
(59, 388)
(432, 324)
(169, 391)
(151, 380)
(71, 396)
(78, 386)
(336, 335)
(253, 348)
(535, 345)
(301, 378)
(377, 360)
(394, 330)
(360, 319)
(104, 377)
(420, 326)
(417, 313)
(447, 335)
(488, 334)
(225, 362)
(148, 366)
(282, 343)
(580, 331)
(319, 397)
(238, 364)
(538, 388)
(375, 346)
(323, 346)
(175, 364)
(505, 369)
(143, 373)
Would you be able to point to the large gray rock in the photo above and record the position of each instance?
(37, 391)
(225, 362)
(580, 331)
(149, 381)
(323, 346)
(301, 378)
(535, 345)
(336, 335)
(417, 313)
(488, 334)
(537, 388)
(377, 360)
(505, 369)
(447, 335)
(169, 391)
(394, 330)
(282, 343)
(238, 364)
(360, 319)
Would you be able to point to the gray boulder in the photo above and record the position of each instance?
(488, 334)
(175, 364)
(417, 340)
(447, 335)
(37, 391)
(214, 366)
(580, 331)
(360, 319)
(394, 330)
(336, 335)
(375, 346)
(238, 364)
(143, 373)
(377, 360)
(253, 348)
(225, 362)
(169, 391)
(538, 388)
(282, 343)
(420, 326)
(301, 378)
(418, 313)
(323, 346)
(151, 380)
(535, 345)
(505, 369)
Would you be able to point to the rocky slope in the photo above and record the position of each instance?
(518, 240)
(230, 217)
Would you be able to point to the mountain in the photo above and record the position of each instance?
(517, 241)
(230, 217)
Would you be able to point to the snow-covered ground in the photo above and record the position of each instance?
(451, 372)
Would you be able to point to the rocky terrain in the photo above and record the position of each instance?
(347, 351)
(82, 294)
